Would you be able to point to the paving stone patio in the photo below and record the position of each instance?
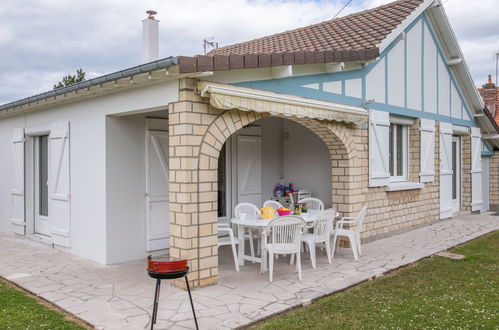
(121, 296)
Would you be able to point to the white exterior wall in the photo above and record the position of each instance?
(125, 180)
(413, 40)
(7, 174)
(429, 86)
(443, 87)
(307, 163)
(456, 104)
(332, 87)
(430, 73)
(87, 166)
(375, 83)
(306, 160)
(89, 229)
(353, 87)
(271, 136)
(396, 75)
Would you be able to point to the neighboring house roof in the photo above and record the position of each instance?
(355, 37)
(491, 118)
(490, 95)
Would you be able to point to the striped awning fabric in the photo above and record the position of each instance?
(225, 96)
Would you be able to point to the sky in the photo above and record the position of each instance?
(43, 40)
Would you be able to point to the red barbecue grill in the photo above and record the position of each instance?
(162, 269)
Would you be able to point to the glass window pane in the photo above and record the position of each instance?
(222, 191)
(400, 152)
(390, 150)
(43, 175)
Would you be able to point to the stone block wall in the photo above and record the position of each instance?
(400, 210)
(197, 134)
(466, 173)
(494, 181)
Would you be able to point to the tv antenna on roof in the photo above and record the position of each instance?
(209, 43)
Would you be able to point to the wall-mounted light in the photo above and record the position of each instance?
(366, 102)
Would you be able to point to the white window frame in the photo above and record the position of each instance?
(31, 134)
(405, 152)
(36, 174)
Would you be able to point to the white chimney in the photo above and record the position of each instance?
(150, 38)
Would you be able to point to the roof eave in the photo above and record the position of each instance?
(200, 63)
(392, 36)
(39, 100)
(452, 50)
(438, 17)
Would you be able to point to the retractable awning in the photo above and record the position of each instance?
(224, 96)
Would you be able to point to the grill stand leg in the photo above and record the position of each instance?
(156, 302)
(192, 304)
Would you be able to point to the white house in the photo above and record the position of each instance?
(376, 107)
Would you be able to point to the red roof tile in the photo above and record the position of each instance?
(350, 38)
(362, 30)
(496, 113)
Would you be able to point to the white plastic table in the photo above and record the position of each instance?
(258, 224)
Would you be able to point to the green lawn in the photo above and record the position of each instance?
(18, 310)
(436, 293)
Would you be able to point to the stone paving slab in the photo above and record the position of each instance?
(121, 296)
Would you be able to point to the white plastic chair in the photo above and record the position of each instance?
(228, 240)
(312, 203)
(285, 238)
(304, 194)
(251, 212)
(353, 235)
(322, 228)
(273, 204)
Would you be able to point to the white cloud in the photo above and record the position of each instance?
(475, 24)
(42, 40)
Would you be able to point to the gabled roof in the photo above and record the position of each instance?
(355, 37)
(362, 30)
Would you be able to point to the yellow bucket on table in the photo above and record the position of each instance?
(267, 212)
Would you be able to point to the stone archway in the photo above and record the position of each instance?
(337, 137)
(197, 134)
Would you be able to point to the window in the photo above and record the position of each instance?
(42, 175)
(398, 146)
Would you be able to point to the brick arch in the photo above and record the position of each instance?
(338, 138)
(197, 132)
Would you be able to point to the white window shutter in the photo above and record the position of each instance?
(445, 170)
(476, 169)
(18, 219)
(59, 184)
(379, 130)
(427, 150)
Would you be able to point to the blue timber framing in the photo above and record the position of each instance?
(296, 85)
